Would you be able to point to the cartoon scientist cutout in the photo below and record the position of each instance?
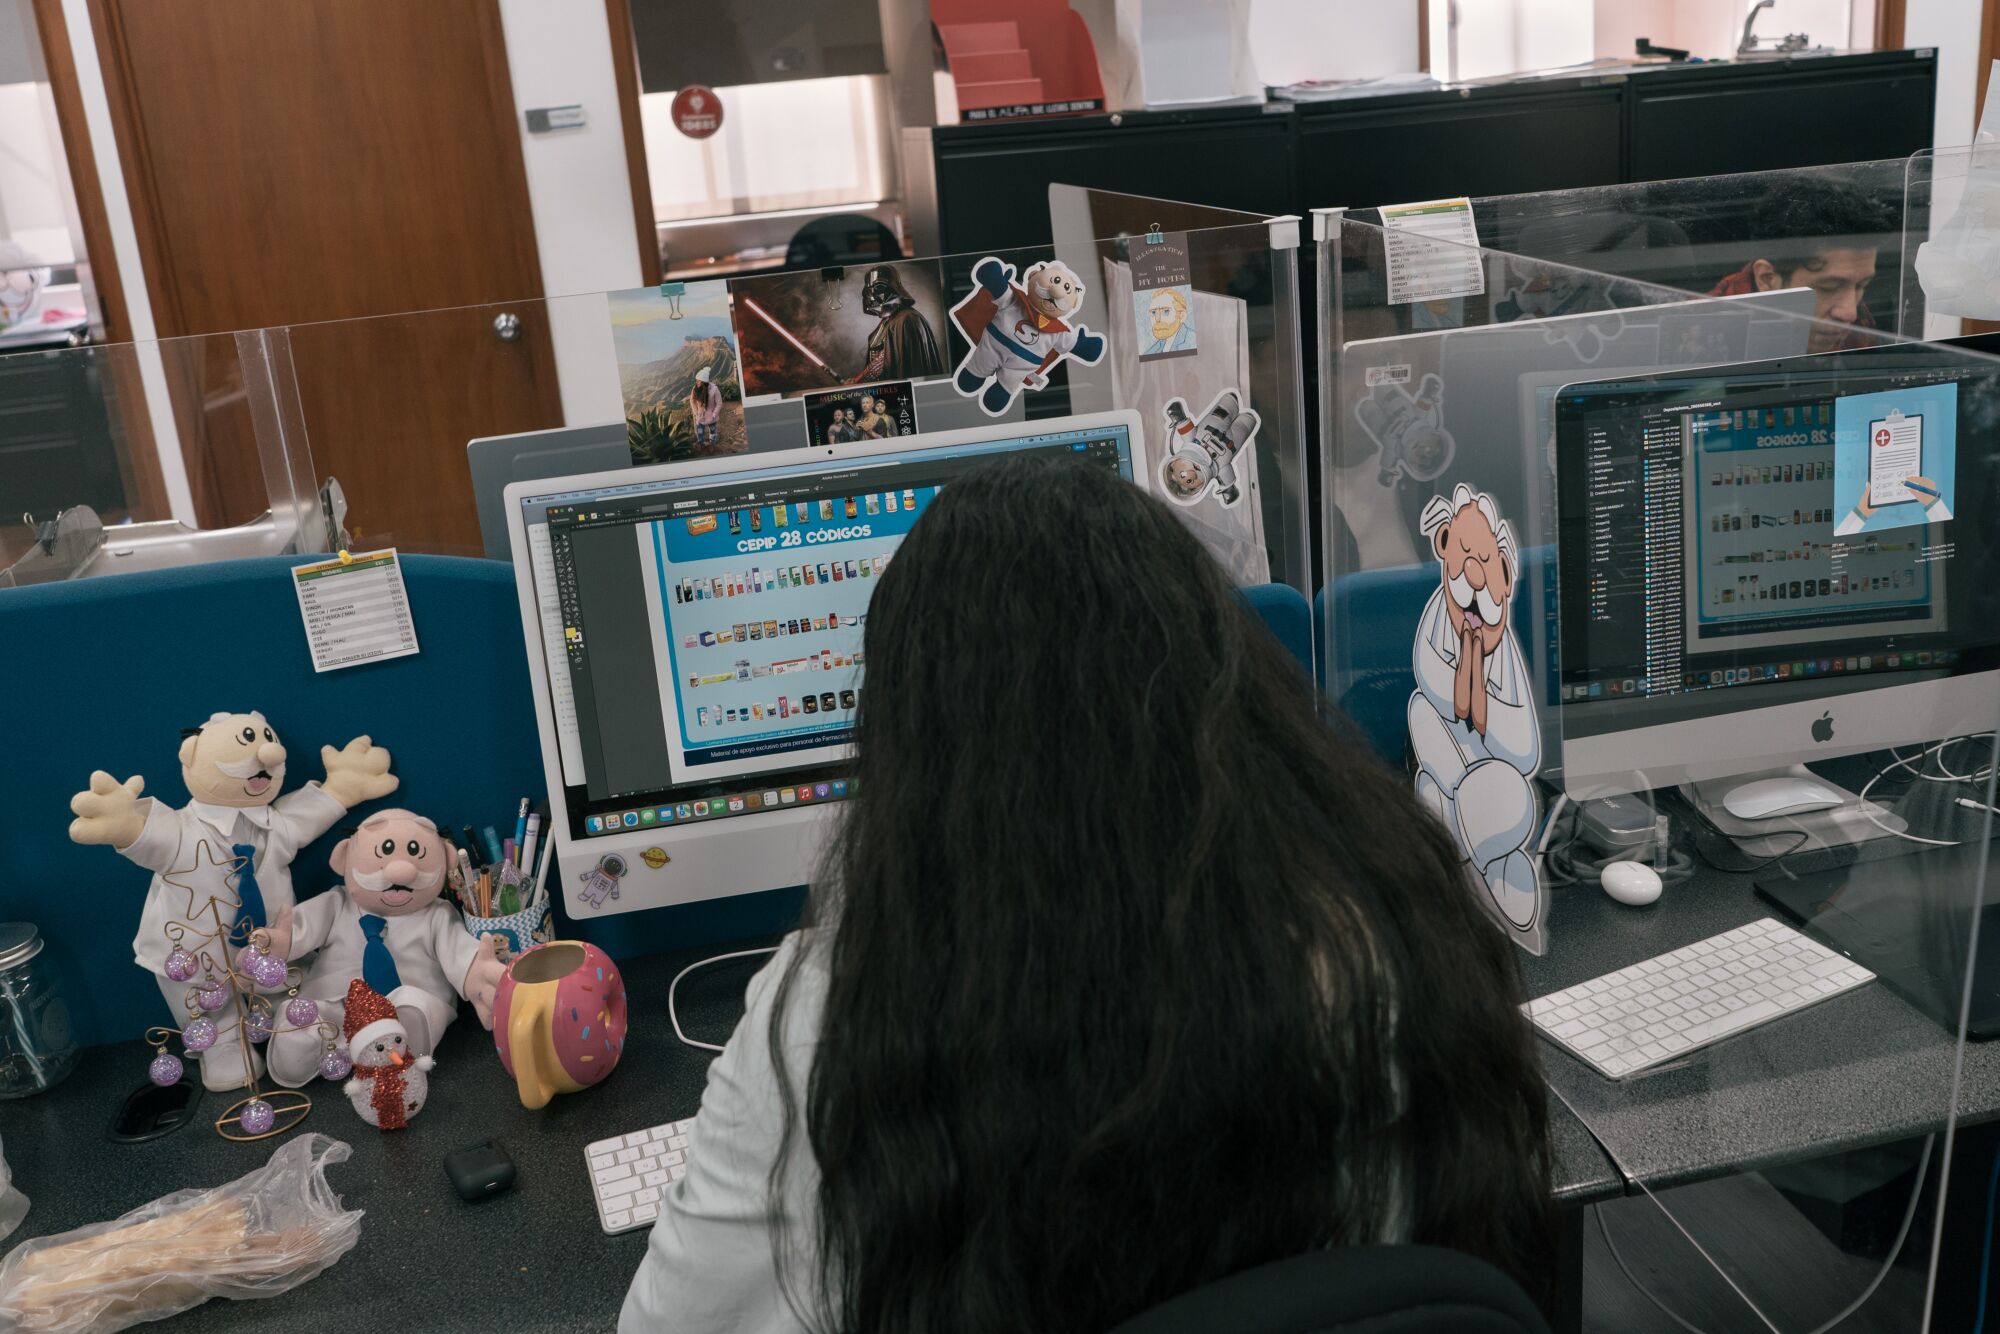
(1472, 716)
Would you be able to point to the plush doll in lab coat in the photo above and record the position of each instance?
(233, 842)
(386, 925)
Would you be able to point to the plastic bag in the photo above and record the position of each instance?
(13, 1204)
(258, 1236)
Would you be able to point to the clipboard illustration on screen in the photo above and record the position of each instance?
(1895, 454)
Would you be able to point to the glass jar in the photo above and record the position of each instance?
(37, 1040)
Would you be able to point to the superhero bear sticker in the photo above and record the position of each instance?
(1019, 331)
(1472, 716)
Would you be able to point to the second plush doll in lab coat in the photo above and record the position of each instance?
(388, 926)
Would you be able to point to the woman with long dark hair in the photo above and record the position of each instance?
(1125, 971)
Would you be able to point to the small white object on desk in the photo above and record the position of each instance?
(1633, 884)
(630, 1174)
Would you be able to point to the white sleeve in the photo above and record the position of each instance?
(304, 815)
(708, 1267)
(312, 921)
(158, 846)
(1850, 525)
(454, 946)
(1937, 513)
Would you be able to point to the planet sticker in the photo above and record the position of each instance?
(655, 857)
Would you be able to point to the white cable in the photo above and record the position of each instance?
(1868, 808)
(673, 1015)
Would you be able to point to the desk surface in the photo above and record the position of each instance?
(1865, 1068)
(533, 1258)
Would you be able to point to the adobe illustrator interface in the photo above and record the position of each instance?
(1720, 533)
(712, 628)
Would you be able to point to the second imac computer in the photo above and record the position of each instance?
(696, 647)
(1772, 563)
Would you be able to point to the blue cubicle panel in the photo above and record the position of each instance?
(104, 673)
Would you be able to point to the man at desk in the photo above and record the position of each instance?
(1824, 236)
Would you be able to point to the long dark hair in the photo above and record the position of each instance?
(1138, 973)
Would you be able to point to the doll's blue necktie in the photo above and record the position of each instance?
(378, 966)
(248, 894)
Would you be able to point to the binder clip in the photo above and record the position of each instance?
(673, 292)
(1154, 236)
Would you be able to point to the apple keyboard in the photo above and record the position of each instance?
(629, 1174)
(1672, 1006)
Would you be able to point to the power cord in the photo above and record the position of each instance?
(673, 1015)
(1902, 1236)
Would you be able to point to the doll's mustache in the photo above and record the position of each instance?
(377, 881)
(249, 769)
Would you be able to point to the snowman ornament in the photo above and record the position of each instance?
(389, 1084)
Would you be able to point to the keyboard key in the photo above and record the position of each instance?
(618, 1203)
(614, 1221)
(645, 1213)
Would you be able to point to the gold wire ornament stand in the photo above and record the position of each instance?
(213, 937)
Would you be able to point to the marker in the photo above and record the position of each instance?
(468, 842)
(492, 846)
(531, 845)
(507, 846)
(520, 827)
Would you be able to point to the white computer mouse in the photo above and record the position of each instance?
(1632, 883)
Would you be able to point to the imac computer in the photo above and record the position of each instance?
(695, 644)
(1772, 563)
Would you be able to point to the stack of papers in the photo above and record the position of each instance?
(1328, 90)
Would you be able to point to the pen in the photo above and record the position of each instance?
(1923, 490)
(468, 842)
(530, 846)
(520, 827)
(466, 880)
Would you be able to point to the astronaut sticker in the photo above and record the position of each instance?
(1019, 331)
(1201, 455)
(1472, 716)
(1408, 430)
(601, 881)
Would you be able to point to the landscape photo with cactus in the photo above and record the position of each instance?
(665, 340)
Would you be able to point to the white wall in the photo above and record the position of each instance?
(1293, 40)
(1952, 26)
(579, 190)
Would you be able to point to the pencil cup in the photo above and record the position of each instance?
(519, 928)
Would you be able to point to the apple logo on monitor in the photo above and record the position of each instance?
(1822, 728)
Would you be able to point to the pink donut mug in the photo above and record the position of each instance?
(559, 1019)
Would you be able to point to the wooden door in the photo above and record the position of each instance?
(331, 160)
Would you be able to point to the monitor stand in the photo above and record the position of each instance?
(1839, 826)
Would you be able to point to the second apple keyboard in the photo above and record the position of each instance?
(1668, 1007)
(630, 1173)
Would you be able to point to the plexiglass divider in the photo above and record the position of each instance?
(129, 456)
(1609, 565)
(1195, 331)
(1848, 231)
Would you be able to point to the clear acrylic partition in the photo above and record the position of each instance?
(390, 404)
(1953, 253)
(1704, 579)
(129, 456)
(1703, 234)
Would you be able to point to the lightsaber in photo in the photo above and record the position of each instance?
(791, 338)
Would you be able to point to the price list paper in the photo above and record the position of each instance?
(356, 610)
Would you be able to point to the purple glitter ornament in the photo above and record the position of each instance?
(302, 1012)
(199, 1035)
(165, 1070)
(268, 971)
(258, 1025)
(335, 1065)
(211, 995)
(180, 965)
(257, 1116)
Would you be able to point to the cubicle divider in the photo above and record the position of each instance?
(1600, 555)
(1194, 331)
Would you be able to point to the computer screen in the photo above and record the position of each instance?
(1743, 536)
(702, 634)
